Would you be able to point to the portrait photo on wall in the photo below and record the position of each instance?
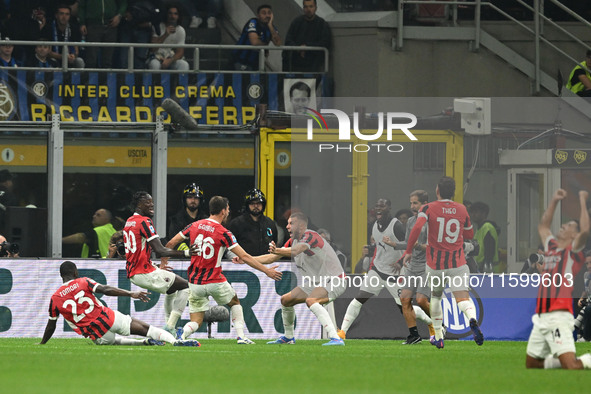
(299, 94)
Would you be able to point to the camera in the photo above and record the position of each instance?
(7, 248)
(535, 258)
(120, 248)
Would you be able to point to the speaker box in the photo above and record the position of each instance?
(28, 228)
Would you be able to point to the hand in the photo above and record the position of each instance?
(559, 194)
(195, 250)
(83, 30)
(270, 24)
(580, 303)
(418, 246)
(272, 247)
(237, 260)
(583, 195)
(273, 273)
(388, 241)
(406, 259)
(140, 295)
(170, 29)
(166, 63)
(114, 22)
(112, 250)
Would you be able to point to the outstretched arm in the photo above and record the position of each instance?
(162, 251)
(49, 330)
(581, 238)
(546, 221)
(117, 292)
(251, 261)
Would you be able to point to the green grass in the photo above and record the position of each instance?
(77, 365)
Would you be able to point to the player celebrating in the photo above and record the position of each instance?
(551, 343)
(321, 269)
(448, 224)
(87, 316)
(387, 232)
(140, 238)
(205, 272)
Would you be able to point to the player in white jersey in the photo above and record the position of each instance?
(387, 232)
(323, 278)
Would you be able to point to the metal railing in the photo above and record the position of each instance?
(538, 19)
(195, 48)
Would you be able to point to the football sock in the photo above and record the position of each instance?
(168, 299)
(421, 315)
(468, 308)
(178, 306)
(128, 341)
(160, 335)
(238, 320)
(436, 316)
(189, 329)
(586, 360)
(288, 315)
(413, 331)
(551, 362)
(351, 314)
(324, 319)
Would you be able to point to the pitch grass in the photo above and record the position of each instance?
(77, 365)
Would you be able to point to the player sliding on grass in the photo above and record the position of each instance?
(448, 224)
(212, 239)
(75, 300)
(551, 343)
(323, 277)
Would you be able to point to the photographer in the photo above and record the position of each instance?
(116, 246)
(8, 249)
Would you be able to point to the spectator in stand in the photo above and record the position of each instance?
(27, 20)
(367, 252)
(200, 9)
(579, 80)
(6, 49)
(136, 27)
(98, 22)
(257, 31)
(306, 30)
(95, 242)
(65, 29)
(41, 58)
(172, 33)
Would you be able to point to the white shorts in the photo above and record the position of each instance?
(552, 334)
(458, 279)
(373, 283)
(158, 280)
(121, 326)
(335, 287)
(199, 295)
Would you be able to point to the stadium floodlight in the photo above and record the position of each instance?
(475, 115)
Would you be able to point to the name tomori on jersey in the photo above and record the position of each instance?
(361, 148)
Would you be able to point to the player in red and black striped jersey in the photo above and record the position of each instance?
(448, 224)
(206, 279)
(551, 343)
(140, 240)
(76, 302)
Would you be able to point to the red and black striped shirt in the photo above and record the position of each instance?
(212, 239)
(76, 302)
(557, 277)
